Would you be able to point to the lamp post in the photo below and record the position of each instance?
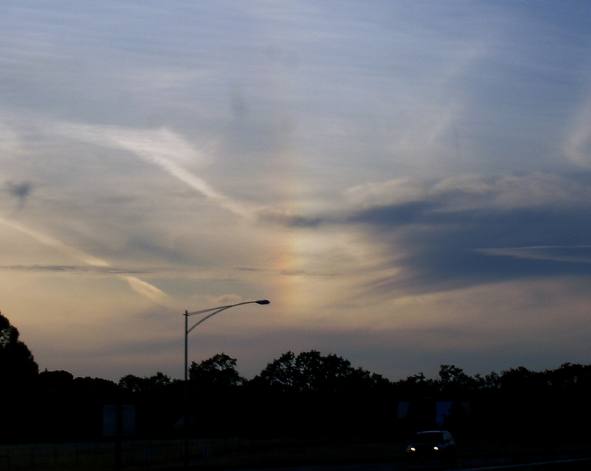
(208, 313)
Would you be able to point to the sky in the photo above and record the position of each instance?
(408, 182)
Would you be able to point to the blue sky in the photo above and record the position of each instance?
(408, 182)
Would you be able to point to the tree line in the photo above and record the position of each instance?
(304, 395)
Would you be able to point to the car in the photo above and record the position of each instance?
(432, 445)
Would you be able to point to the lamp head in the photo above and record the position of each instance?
(263, 301)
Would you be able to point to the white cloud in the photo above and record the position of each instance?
(137, 284)
(395, 191)
(10, 142)
(145, 289)
(577, 145)
(162, 148)
(550, 253)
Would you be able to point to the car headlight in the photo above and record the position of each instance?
(436, 448)
(412, 449)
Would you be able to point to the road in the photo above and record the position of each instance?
(574, 464)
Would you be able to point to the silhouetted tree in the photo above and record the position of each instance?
(323, 390)
(298, 395)
(281, 374)
(217, 372)
(138, 385)
(55, 381)
(16, 360)
(159, 380)
(415, 386)
(454, 382)
(132, 383)
(313, 372)
(317, 372)
(522, 381)
(488, 383)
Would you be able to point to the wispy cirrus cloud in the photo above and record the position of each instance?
(140, 286)
(102, 270)
(577, 254)
(577, 143)
(529, 190)
(160, 147)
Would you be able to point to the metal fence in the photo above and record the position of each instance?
(101, 456)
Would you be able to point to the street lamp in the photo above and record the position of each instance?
(212, 311)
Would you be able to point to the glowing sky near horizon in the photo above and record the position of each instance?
(409, 182)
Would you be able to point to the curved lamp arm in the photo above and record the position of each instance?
(217, 310)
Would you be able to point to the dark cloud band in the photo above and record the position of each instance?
(76, 269)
